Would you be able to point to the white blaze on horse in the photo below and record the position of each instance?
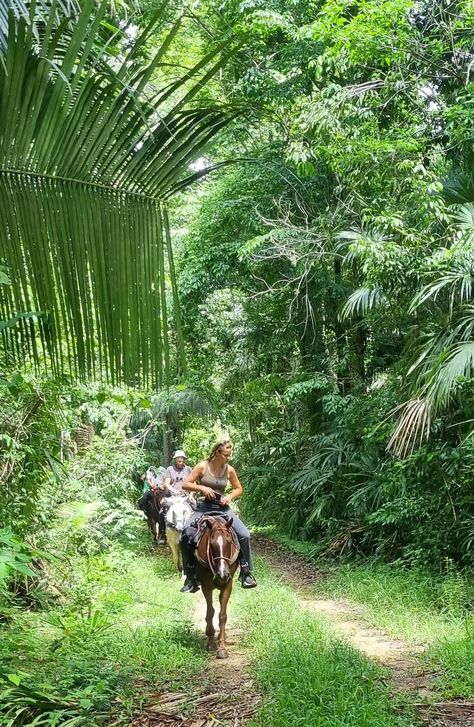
(178, 510)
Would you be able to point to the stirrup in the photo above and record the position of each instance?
(190, 586)
(247, 580)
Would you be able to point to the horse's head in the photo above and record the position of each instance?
(221, 549)
(178, 509)
(156, 495)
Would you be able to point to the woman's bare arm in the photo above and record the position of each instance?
(237, 489)
(191, 485)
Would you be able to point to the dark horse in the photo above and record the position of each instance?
(217, 558)
(155, 514)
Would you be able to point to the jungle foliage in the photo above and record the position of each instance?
(324, 275)
(315, 158)
(94, 138)
(326, 280)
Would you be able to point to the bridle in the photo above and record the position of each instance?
(211, 558)
(179, 521)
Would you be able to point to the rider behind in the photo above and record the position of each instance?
(209, 478)
(177, 473)
(152, 481)
(148, 479)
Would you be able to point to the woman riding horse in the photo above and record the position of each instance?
(209, 478)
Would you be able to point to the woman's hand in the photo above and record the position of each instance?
(208, 492)
(225, 501)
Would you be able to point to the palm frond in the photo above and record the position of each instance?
(458, 281)
(357, 241)
(465, 220)
(456, 273)
(44, 12)
(175, 402)
(89, 151)
(433, 344)
(458, 188)
(413, 426)
(180, 400)
(456, 364)
(361, 301)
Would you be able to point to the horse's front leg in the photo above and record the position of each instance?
(210, 630)
(151, 526)
(224, 596)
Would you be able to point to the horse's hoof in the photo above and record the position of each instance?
(222, 654)
(211, 646)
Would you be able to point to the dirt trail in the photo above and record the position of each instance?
(225, 695)
(213, 704)
(407, 673)
(347, 619)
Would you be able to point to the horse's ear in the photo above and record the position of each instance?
(209, 524)
(166, 501)
(229, 523)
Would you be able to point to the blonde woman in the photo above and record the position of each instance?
(209, 478)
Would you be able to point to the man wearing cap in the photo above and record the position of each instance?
(177, 473)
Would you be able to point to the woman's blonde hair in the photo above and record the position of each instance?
(216, 448)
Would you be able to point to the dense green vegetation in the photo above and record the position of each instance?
(326, 280)
(243, 218)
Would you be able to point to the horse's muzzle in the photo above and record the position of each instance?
(221, 580)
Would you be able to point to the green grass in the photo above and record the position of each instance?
(123, 633)
(418, 606)
(308, 677)
(411, 604)
(455, 657)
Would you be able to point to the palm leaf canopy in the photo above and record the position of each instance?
(91, 147)
(444, 355)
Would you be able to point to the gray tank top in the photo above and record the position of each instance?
(216, 483)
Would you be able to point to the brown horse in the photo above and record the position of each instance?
(216, 555)
(155, 515)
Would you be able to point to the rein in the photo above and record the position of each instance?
(212, 558)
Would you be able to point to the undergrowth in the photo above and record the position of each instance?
(120, 632)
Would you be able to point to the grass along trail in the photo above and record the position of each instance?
(428, 652)
(123, 648)
(346, 618)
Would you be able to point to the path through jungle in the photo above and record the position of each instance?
(227, 693)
